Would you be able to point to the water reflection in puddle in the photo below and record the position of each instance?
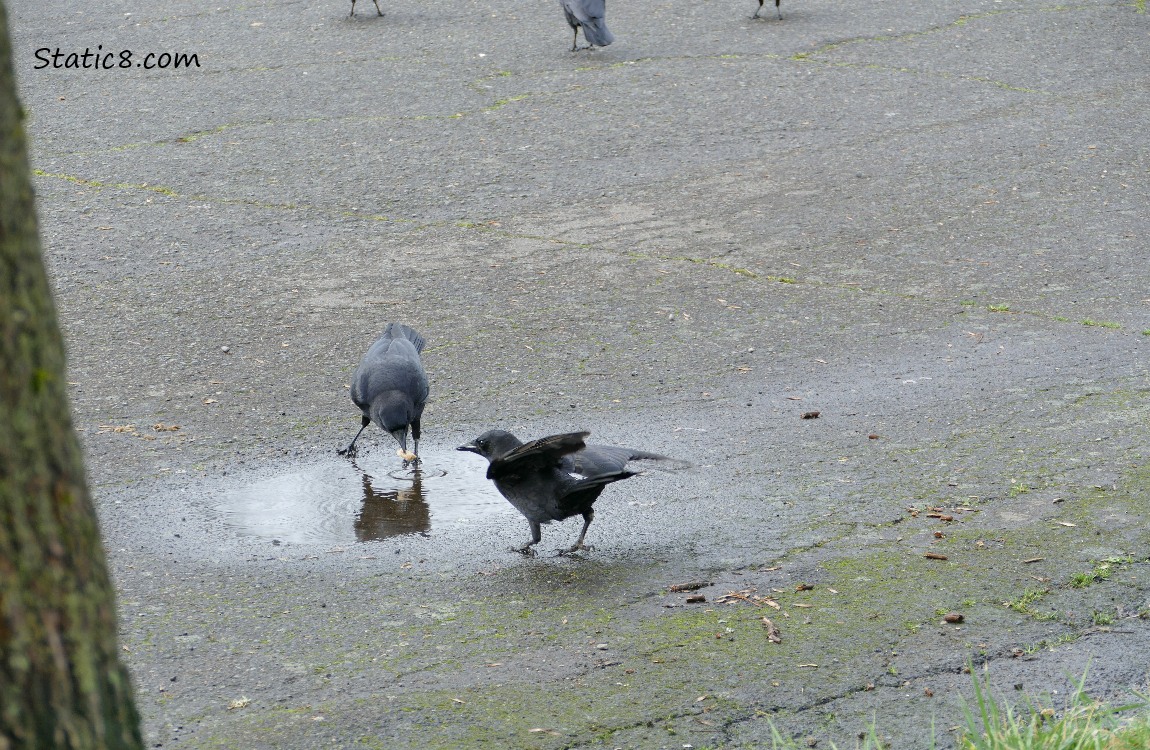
(348, 501)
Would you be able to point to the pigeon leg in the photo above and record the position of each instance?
(350, 450)
(377, 10)
(588, 517)
(536, 535)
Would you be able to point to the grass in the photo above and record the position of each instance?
(869, 741)
(1103, 569)
(1022, 603)
(1084, 724)
(1100, 323)
(1102, 619)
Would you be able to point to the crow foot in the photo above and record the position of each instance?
(579, 547)
(525, 550)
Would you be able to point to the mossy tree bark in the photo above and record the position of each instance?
(62, 684)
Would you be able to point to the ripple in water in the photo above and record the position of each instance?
(346, 501)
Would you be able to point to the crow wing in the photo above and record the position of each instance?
(538, 454)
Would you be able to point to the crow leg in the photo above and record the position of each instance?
(380, 12)
(415, 439)
(352, 9)
(536, 535)
(757, 11)
(575, 40)
(778, 10)
(588, 517)
(350, 450)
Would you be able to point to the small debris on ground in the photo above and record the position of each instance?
(692, 586)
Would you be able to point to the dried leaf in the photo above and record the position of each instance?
(773, 634)
(935, 556)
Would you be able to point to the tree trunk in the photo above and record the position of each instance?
(61, 681)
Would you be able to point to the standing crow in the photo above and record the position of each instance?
(592, 16)
(390, 387)
(377, 10)
(777, 10)
(553, 478)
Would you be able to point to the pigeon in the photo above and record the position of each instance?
(777, 9)
(377, 10)
(390, 388)
(554, 477)
(592, 16)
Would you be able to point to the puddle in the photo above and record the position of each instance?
(361, 501)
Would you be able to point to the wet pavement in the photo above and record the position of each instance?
(925, 222)
(340, 501)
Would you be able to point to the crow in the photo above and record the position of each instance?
(390, 387)
(592, 16)
(554, 477)
(377, 10)
(777, 10)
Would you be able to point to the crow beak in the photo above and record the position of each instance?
(400, 436)
(470, 448)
